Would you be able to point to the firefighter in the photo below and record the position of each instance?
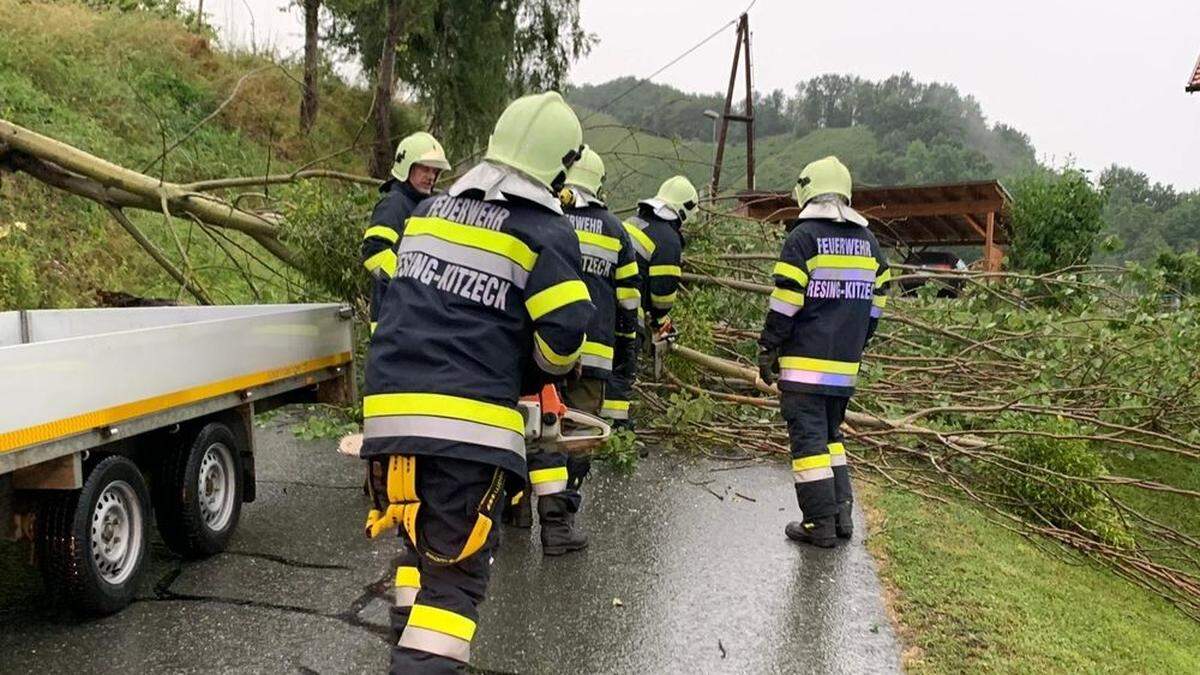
(658, 239)
(830, 290)
(487, 303)
(419, 161)
(609, 358)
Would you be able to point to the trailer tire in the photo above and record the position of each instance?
(198, 493)
(92, 542)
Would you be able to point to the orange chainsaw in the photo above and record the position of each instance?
(545, 415)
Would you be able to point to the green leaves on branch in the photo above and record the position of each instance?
(465, 59)
(324, 227)
(1056, 220)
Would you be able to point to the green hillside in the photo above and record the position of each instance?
(120, 85)
(638, 161)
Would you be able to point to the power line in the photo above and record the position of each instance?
(673, 61)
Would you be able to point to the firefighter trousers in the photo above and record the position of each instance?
(443, 573)
(586, 395)
(819, 468)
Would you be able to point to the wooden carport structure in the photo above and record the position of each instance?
(915, 216)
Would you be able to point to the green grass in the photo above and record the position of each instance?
(114, 84)
(973, 596)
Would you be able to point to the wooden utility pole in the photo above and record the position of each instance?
(742, 45)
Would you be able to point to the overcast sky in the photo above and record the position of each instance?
(1100, 82)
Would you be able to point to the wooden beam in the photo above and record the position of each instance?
(991, 253)
(889, 211)
(975, 224)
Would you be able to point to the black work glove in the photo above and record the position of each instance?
(768, 364)
(623, 425)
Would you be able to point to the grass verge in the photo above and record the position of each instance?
(969, 595)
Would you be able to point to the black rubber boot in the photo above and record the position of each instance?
(559, 534)
(817, 532)
(518, 514)
(844, 525)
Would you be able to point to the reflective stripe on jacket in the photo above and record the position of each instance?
(487, 302)
(830, 288)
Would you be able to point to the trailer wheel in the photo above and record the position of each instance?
(198, 493)
(92, 543)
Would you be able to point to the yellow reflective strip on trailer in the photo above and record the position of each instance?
(69, 426)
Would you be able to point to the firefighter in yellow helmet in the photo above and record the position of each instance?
(419, 161)
(830, 290)
(657, 237)
(609, 359)
(487, 303)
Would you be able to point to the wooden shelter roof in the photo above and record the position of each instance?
(948, 214)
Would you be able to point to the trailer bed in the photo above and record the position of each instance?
(74, 379)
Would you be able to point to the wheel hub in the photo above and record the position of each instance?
(216, 487)
(116, 532)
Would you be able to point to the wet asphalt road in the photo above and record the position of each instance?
(677, 580)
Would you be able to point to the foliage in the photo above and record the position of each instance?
(466, 59)
(324, 226)
(620, 451)
(927, 132)
(1180, 271)
(1064, 402)
(1042, 475)
(666, 111)
(1147, 218)
(165, 9)
(323, 422)
(1056, 220)
(116, 83)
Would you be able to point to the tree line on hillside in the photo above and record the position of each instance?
(929, 133)
(926, 132)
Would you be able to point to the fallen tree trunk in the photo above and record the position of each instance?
(80, 173)
(854, 419)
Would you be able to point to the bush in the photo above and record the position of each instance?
(1045, 497)
(1056, 220)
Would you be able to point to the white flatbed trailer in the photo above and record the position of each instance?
(109, 417)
